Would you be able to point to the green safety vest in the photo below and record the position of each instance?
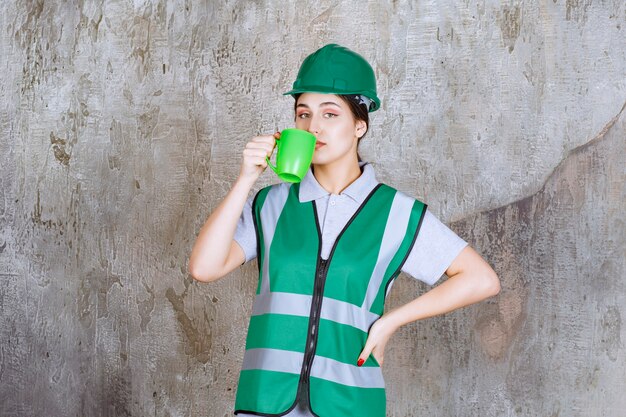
(311, 316)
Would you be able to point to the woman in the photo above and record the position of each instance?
(338, 240)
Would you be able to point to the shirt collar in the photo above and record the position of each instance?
(310, 189)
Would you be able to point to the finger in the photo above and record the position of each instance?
(260, 138)
(260, 162)
(379, 357)
(365, 353)
(255, 152)
(264, 139)
(267, 140)
(256, 145)
(268, 148)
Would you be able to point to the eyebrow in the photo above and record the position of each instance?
(322, 104)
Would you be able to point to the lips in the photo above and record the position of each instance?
(319, 144)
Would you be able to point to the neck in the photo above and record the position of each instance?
(337, 176)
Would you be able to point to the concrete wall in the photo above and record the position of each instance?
(121, 128)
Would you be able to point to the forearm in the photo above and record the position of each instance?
(458, 291)
(213, 243)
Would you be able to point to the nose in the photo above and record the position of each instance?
(314, 126)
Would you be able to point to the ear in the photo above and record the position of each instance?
(360, 128)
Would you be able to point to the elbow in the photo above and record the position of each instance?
(198, 273)
(492, 283)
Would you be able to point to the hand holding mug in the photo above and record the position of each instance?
(255, 155)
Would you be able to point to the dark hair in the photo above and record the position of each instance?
(359, 112)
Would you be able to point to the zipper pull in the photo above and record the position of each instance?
(323, 263)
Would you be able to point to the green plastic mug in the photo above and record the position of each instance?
(294, 154)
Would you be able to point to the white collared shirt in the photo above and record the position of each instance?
(434, 250)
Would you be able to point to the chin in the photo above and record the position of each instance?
(319, 161)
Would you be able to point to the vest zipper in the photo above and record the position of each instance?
(303, 395)
(312, 333)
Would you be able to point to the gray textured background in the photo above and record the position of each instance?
(121, 128)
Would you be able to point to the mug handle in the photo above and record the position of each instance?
(267, 158)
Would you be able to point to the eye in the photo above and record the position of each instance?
(302, 115)
(330, 115)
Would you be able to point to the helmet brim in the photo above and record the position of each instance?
(375, 99)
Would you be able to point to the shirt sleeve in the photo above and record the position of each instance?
(245, 235)
(435, 248)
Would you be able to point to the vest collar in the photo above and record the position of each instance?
(310, 189)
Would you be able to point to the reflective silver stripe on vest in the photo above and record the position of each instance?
(273, 360)
(270, 212)
(329, 369)
(342, 373)
(282, 303)
(395, 229)
(346, 313)
(300, 305)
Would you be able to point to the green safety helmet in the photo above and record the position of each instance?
(334, 69)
